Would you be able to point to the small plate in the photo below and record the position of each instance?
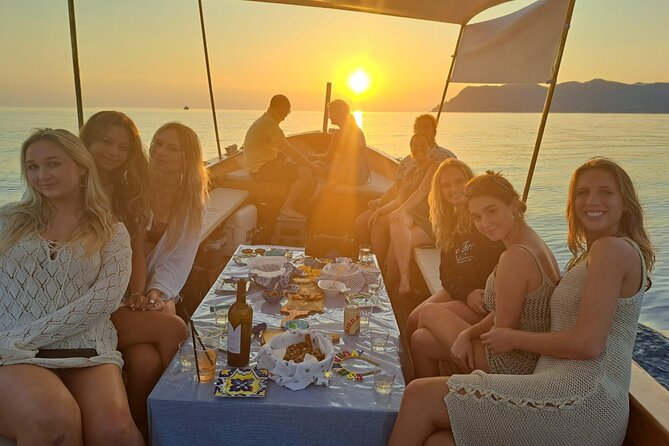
(241, 383)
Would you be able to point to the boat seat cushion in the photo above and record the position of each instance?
(428, 261)
(222, 203)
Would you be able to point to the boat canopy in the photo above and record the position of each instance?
(447, 11)
(520, 47)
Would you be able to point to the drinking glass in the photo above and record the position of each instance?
(379, 339)
(383, 381)
(186, 356)
(364, 254)
(373, 289)
(366, 307)
(209, 336)
(221, 316)
(206, 363)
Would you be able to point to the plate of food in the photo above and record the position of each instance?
(241, 383)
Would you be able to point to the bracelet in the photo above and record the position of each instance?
(129, 295)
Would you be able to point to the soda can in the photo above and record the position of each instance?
(351, 319)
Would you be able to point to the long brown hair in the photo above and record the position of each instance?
(631, 222)
(445, 222)
(194, 189)
(130, 200)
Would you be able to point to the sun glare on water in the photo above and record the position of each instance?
(358, 81)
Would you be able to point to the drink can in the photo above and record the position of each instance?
(351, 319)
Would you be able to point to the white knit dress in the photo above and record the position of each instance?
(564, 402)
(62, 302)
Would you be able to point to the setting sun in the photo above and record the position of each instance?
(358, 81)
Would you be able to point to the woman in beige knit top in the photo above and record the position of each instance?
(64, 266)
(578, 393)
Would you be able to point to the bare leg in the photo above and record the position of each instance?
(162, 329)
(379, 237)
(304, 176)
(105, 415)
(404, 235)
(412, 321)
(422, 412)
(438, 328)
(362, 236)
(440, 438)
(36, 408)
(143, 367)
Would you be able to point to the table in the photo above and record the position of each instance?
(346, 413)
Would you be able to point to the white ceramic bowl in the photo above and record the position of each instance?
(332, 288)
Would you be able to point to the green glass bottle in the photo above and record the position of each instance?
(240, 321)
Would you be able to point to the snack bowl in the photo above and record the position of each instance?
(297, 375)
(332, 288)
(274, 296)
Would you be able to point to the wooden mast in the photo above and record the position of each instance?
(549, 98)
(450, 72)
(211, 90)
(75, 62)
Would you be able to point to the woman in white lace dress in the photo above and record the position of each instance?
(578, 393)
(64, 266)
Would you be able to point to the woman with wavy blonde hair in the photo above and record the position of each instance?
(64, 266)
(517, 292)
(467, 257)
(179, 188)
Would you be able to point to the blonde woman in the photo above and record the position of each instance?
(149, 339)
(467, 257)
(579, 390)
(64, 266)
(517, 293)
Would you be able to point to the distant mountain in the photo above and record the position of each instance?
(595, 96)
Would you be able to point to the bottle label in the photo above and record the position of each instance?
(234, 339)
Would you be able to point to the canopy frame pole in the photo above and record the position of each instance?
(450, 72)
(75, 63)
(328, 92)
(549, 98)
(211, 90)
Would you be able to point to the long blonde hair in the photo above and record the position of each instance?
(33, 213)
(445, 222)
(194, 188)
(130, 200)
(631, 222)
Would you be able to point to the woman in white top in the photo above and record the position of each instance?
(178, 192)
(114, 141)
(64, 266)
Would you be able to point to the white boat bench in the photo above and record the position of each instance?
(427, 260)
(222, 203)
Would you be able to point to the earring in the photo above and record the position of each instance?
(83, 181)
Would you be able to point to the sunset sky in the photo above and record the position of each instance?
(149, 53)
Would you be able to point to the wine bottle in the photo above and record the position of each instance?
(240, 321)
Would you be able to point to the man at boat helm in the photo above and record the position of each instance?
(269, 156)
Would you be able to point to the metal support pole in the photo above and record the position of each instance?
(75, 62)
(549, 99)
(450, 72)
(328, 91)
(211, 90)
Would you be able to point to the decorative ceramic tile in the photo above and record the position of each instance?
(234, 382)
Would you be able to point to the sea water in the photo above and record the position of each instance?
(496, 141)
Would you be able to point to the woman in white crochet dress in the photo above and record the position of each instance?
(517, 292)
(64, 266)
(578, 393)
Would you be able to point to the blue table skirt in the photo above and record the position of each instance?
(346, 413)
